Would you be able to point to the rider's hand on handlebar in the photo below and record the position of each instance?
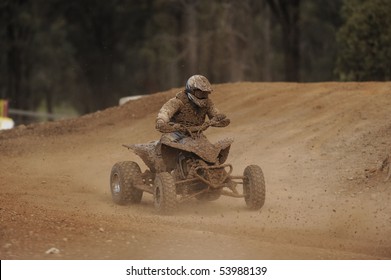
(163, 126)
(220, 120)
(223, 123)
(219, 117)
(160, 124)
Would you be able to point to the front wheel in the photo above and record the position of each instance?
(164, 194)
(254, 187)
(123, 177)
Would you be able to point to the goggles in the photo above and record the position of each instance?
(201, 94)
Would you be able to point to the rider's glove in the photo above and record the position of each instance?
(220, 120)
(220, 117)
(162, 126)
(223, 123)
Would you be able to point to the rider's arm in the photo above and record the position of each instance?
(212, 110)
(167, 111)
(214, 115)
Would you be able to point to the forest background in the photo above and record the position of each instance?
(86, 54)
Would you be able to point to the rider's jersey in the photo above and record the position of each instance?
(181, 110)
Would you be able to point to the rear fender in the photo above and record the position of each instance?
(147, 152)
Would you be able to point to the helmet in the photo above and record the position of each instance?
(197, 89)
(198, 82)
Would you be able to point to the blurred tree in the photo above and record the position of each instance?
(218, 39)
(231, 41)
(364, 41)
(264, 58)
(319, 23)
(55, 71)
(160, 53)
(17, 30)
(287, 14)
(90, 53)
(102, 32)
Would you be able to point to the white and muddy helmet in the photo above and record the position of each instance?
(198, 89)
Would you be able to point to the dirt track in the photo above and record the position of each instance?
(318, 145)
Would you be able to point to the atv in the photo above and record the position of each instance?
(183, 165)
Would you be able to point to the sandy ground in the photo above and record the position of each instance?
(319, 146)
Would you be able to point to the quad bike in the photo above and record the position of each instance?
(184, 165)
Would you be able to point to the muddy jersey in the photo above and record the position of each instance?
(181, 110)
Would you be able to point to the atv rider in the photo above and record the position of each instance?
(189, 108)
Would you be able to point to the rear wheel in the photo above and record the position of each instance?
(164, 194)
(123, 178)
(254, 190)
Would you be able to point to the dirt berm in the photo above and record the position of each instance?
(320, 145)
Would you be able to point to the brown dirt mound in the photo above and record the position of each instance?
(319, 145)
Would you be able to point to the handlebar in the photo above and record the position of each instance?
(191, 130)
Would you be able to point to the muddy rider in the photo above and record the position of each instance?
(189, 108)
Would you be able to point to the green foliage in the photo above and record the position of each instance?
(364, 41)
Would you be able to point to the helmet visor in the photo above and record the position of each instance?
(201, 94)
